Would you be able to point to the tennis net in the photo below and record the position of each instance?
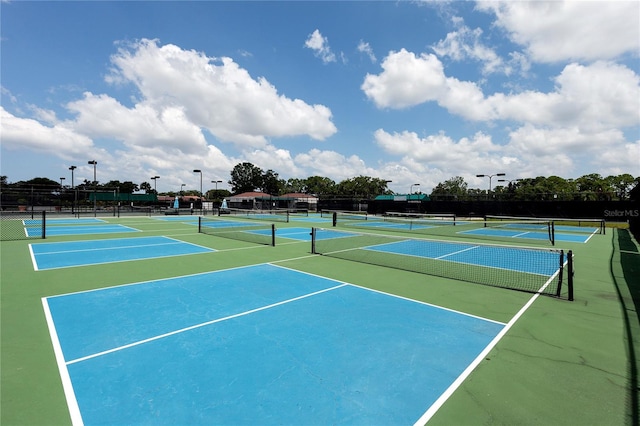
(22, 225)
(569, 225)
(236, 230)
(270, 215)
(533, 270)
(536, 231)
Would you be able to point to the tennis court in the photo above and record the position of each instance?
(521, 230)
(93, 252)
(80, 230)
(260, 342)
(529, 235)
(187, 324)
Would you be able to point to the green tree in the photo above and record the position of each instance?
(270, 183)
(591, 186)
(245, 177)
(452, 189)
(127, 187)
(621, 185)
(146, 187)
(364, 187)
(295, 185)
(319, 186)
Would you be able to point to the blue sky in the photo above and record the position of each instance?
(412, 92)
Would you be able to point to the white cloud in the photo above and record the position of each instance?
(598, 96)
(334, 164)
(466, 43)
(554, 31)
(442, 152)
(406, 80)
(320, 46)
(367, 50)
(26, 133)
(101, 116)
(216, 94)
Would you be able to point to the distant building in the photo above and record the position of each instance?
(264, 201)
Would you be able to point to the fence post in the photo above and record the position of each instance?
(570, 273)
(560, 274)
(44, 224)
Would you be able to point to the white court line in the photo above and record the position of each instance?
(387, 294)
(111, 248)
(462, 377)
(456, 252)
(182, 330)
(67, 386)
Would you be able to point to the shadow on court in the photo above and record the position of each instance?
(625, 271)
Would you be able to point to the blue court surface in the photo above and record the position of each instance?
(392, 225)
(301, 234)
(257, 345)
(177, 218)
(539, 262)
(310, 218)
(66, 221)
(93, 252)
(80, 230)
(531, 235)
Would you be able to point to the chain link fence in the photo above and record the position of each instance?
(22, 225)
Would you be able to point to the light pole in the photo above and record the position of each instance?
(199, 171)
(510, 181)
(155, 188)
(75, 193)
(182, 186)
(411, 187)
(490, 176)
(215, 197)
(95, 183)
(61, 179)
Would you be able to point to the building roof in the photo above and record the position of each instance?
(251, 195)
(299, 195)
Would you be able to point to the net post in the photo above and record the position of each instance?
(560, 274)
(44, 224)
(552, 233)
(334, 218)
(273, 233)
(570, 274)
(313, 240)
(199, 224)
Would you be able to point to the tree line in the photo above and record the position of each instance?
(246, 177)
(591, 187)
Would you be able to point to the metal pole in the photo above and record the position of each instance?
(75, 193)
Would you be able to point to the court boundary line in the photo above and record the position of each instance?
(441, 258)
(107, 248)
(51, 233)
(72, 402)
(457, 239)
(65, 377)
(433, 409)
(210, 250)
(388, 294)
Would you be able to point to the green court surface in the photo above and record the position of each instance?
(560, 362)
